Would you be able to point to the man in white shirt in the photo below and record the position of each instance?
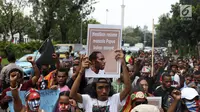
(102, 99)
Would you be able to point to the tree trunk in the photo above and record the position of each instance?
(63, 31)
(48, 23)
(20, 37)
(4, 37)
(12, 36)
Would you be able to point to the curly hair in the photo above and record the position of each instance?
(93, 55)
(91, 90)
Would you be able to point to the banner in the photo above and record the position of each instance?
(48, 99)
(104, 39)
(157, 101)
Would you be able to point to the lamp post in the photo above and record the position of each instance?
(122, 14)
(107, 16)
(81, 32)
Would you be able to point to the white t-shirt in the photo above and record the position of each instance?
(90, 73)
(113, 104)
(177, 79)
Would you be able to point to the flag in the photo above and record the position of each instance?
(46, 51)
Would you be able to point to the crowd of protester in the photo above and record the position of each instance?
(177, 81)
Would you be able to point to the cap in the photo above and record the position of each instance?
(138, 95)
(189, 93)
(102, 80)
(146, 69)
(145, 108)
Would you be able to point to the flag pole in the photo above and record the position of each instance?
(152, 55)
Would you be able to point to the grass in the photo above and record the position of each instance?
(4, 61)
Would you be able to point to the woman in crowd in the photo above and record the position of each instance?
(65, 104)
(142, 82)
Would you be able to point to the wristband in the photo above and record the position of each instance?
(13, 88)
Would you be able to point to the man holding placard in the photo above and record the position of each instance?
(102, 98)
(102, 42)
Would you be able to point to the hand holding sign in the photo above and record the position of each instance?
(120, 56)
(84, 63)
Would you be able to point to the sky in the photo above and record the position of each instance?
(137, 12)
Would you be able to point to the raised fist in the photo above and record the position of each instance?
(30, 59)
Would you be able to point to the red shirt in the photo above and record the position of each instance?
(25, 86)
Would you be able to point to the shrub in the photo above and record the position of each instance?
(19, 49)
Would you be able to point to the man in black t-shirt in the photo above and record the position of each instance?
(164, 91)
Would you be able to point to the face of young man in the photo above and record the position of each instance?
(167, 82)
(188, 80)
(103, 90)
(33, 101)
(100, 62)
(61, 78)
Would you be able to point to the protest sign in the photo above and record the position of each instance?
(157, 101)
(48, 99)
(104, 39)
(78, 47)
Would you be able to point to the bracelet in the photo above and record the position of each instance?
(13, 88)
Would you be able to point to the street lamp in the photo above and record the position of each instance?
(107, 16)
(122, 14)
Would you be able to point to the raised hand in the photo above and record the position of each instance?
(176, 94)
(84, 62)
(73, 102)
(13, 78)
(54, 56)
(120, 56)
(30, 59)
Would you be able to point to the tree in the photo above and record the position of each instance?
(12, 20)
(63, 14)
(183, 33)
(85, 28)
(136, 35)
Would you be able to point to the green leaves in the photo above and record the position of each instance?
(182, 32)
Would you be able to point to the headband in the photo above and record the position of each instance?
(32, 90)
(138, 95)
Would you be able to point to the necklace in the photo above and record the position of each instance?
(99, 108)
